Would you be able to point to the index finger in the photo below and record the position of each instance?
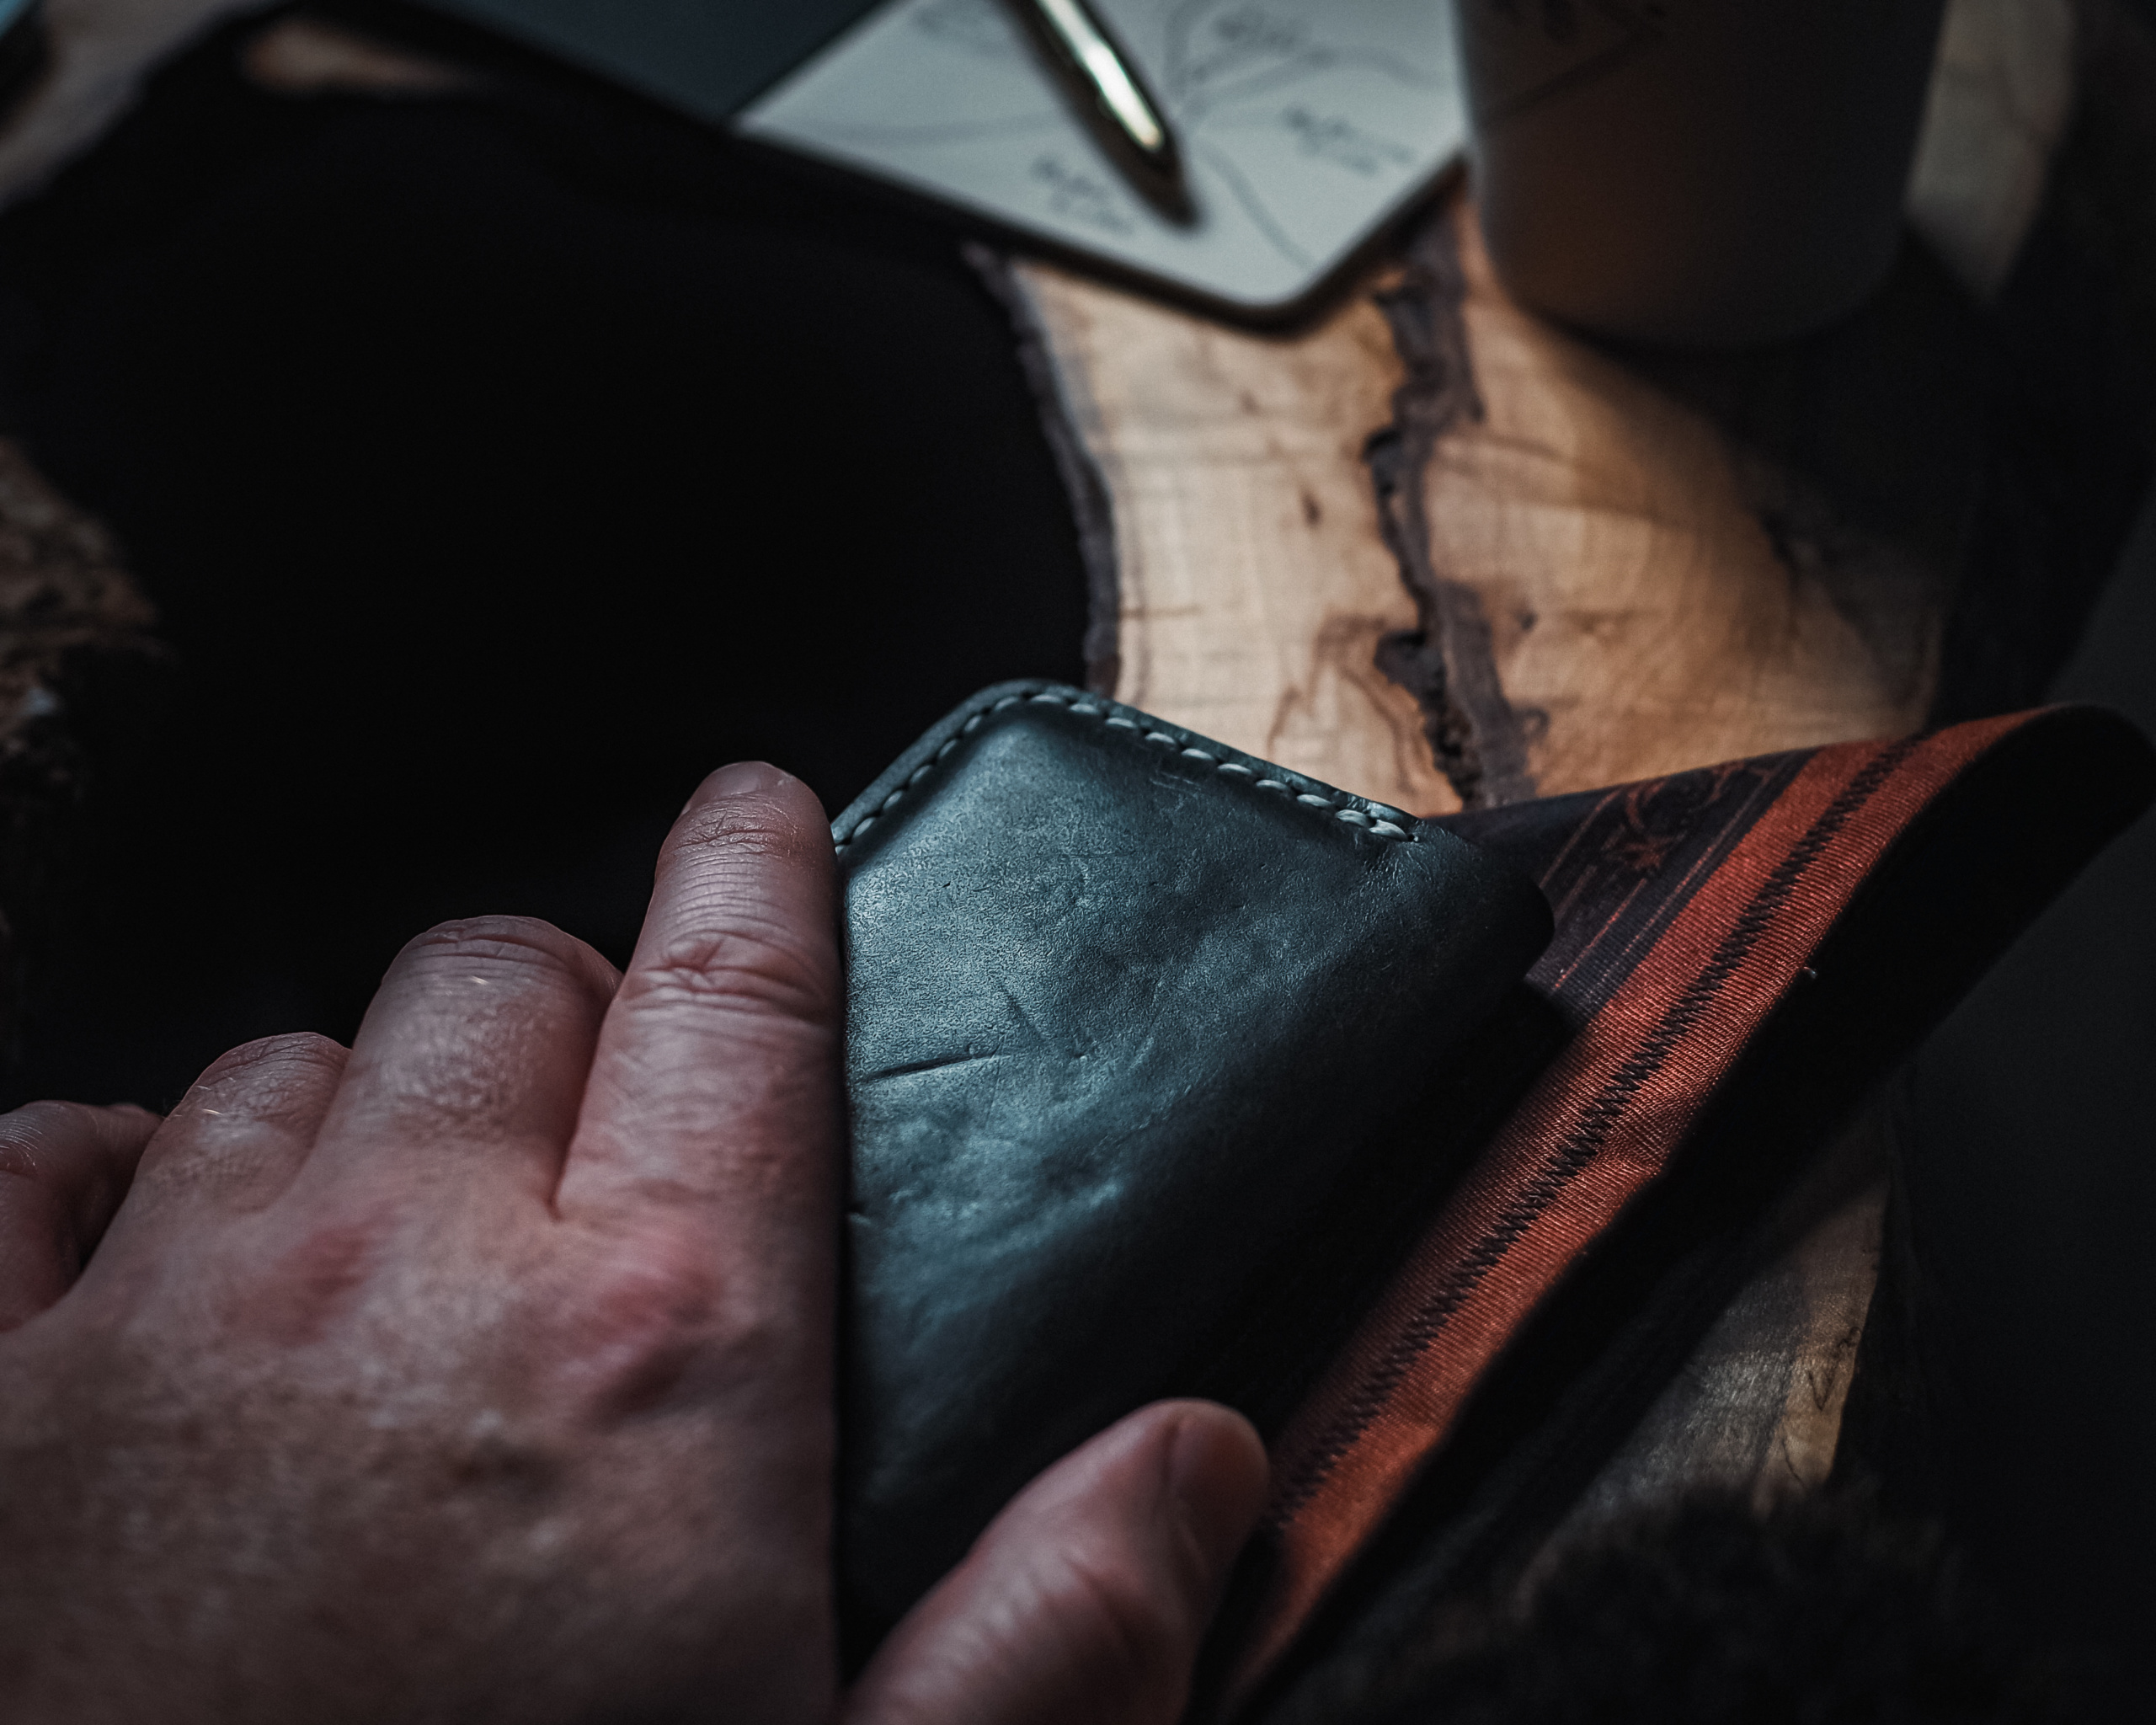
(713, 1098)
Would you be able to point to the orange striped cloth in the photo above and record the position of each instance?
(1693, 915)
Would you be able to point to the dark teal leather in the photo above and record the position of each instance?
(1128, 1010)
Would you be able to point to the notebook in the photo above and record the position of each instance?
(1305, 125)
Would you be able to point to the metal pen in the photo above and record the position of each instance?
(1105, 77)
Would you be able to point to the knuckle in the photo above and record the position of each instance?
(275, 1058)
(263, 1080)
(515, 952)
(64, 1166)
(755, 967)
(508, 940)
(34, 1136)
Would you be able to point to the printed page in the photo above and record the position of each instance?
(1303, 125)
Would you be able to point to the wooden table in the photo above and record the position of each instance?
(1436, 550)
(1441, 550)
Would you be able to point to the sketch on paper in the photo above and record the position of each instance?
(1304, 124)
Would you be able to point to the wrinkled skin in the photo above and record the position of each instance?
(483, 1372)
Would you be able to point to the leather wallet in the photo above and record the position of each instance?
(1134, 1021)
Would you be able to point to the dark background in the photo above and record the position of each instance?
(497, 470)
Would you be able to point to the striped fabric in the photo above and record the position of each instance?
(1690, 909)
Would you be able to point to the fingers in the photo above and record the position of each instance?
(714, 1095)
(64, 1169)
(1086, 1599)
(472, 1059)
(242, 1129)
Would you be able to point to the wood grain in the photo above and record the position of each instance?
(1608, 579)
(1430, 548)
(1439, 551)
(1568, 569)
(1641, 619)
(1253, 584)
(1757, 1411)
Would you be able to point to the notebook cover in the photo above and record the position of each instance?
(707, 60)
(1303, 134)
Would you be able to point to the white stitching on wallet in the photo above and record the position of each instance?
(1361, 819)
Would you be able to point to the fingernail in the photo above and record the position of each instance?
(743, 778)
(1219, 1475)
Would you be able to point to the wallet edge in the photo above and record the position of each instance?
(917, 765)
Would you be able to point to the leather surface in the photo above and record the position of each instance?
(1128, 1010)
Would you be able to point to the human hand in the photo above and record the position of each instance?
(483, 1372)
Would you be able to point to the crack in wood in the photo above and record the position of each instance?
(1092, 505)
(1448, 662)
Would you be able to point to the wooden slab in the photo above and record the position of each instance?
(1430, 548)
(1252, 583)
(1613, 568)
(1597, 597)
(1640, 618)
(1757, 1411)
(1439, 551)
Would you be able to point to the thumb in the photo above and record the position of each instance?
(1085, 1600)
